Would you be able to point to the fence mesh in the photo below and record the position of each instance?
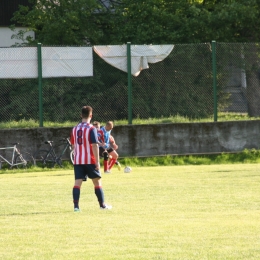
(181, 84)
(238, 78)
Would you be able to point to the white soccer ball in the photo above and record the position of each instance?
(127, 169)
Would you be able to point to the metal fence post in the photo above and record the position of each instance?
(214, 71)
(39, 52)
(129, 83)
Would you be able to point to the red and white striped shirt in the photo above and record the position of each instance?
(82, 136)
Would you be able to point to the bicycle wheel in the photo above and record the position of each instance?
(44, 159)
(24, 160)
(72, 157)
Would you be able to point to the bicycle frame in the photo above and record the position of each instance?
(51, 152)
(15, 151)
(51, 156)
(68, 144)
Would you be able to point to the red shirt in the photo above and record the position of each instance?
(82, 136)
(100, 134)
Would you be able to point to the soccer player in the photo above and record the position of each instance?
(84, 141)
(111, 152)
(106, 147)
(101, 141)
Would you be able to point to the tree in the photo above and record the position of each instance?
(67, 22)
(166, 21)
(79, 22)
(61, 22)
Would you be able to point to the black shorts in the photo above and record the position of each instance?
(101, 150)
(82, 171)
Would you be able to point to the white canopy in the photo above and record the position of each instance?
(141, 55)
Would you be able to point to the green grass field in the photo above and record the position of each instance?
(168, 212)
(222, 116)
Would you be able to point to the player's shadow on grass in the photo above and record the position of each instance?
(33, 213)
(22, 177)
(222, 171)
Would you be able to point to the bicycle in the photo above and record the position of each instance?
(49, 158)
(18, 159)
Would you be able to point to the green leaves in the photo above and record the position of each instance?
(60, 22)
(141, 22)
(187, 21)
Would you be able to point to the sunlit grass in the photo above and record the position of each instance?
(182, 119)
(137, 121)
(33, 124)
(171, 212)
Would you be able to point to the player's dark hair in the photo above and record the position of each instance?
(96, 123)
(110, 123)
(86, 111)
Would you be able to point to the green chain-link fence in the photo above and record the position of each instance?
(181, 84)
(238, 78)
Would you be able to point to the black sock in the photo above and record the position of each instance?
(100, 195)
(76, 195)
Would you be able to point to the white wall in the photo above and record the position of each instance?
(6, 34)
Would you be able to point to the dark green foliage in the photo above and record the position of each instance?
(18, 99)
(61, 22)
(141, 22)
(180, 85)
(163, 21)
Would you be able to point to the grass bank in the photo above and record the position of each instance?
(247, 156)
(137, 121)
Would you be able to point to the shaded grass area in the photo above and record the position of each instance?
(174, 212)
(247, 156)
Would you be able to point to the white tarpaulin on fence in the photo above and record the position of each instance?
(56, 62)
(141, 55)
(18, 63)
(67, 62)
